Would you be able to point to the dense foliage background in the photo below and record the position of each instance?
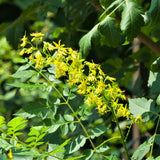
(121, 35)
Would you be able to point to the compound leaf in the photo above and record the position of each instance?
(132, 20)
(111, 32)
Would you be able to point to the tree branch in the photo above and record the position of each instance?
(142, 37)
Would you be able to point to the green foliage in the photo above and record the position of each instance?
(42, 116)
(131, 17)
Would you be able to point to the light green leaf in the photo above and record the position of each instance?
(154, 83)
(86, 41)
(111, 32)
(132, 20)
(142, 150)
(96, 132)
(73, 158)
(4, 144)
(64, 129)
(57, 124)
(102, 148)
(66, 92)
(60, 147)
(2, 121)
(25, 85)
(154, 12)
(72, 127)
(24, 74)
(16, 124)
(76, 144)
(139, 106)
(68, 117)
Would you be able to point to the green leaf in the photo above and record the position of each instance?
(86, 41)
(52, 149)
(4, 144)
(102, 149)
(111, 157)
(105, 3)
(132, 20)
(142, 150)
(72, 127)
(14, 33)
(25, 85)
(157, 139)
(88, 154)
(64, 129)
(73, 158)
(32, 110)
(154, 12)
(66, 92)
(154, 83)
(140, 106)
(155, 67)
(76, 144)
(68, 118)
(60, 147)
(2, 121)
(3, 156)
(111, 32)
(96, 132)
(56, 124)
(24, 74)
(72, 96)
(17, 123)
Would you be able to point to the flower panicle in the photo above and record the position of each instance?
(97, 88)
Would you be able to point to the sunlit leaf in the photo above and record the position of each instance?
(132, 20)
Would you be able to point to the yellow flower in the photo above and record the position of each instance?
(24, 41)
(22, 52)
(37, 34)
(10, 154)
(38, 55)
(48, 46)
(58, 45)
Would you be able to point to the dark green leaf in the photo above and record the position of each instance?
(111, 32)
(86, 41)
(105, 3)
(157, 139)
(32, 110)
(155, 67)
(154, 12)
(88, 154)
(132, 20)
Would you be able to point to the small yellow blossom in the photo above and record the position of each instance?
(10, 154)
(58, 45)
(23, 51)
(24, 41)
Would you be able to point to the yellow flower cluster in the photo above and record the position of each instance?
(91, 81)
